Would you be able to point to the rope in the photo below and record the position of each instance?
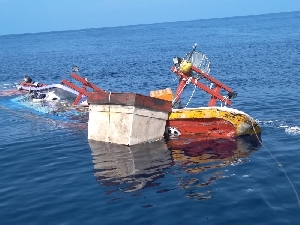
(174, 100)
(191, 96)
(278, 164)
(223, 100)
(109, 105)
(186, 83)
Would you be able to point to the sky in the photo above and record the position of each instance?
(34, 16)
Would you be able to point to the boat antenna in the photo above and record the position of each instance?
(191, 52)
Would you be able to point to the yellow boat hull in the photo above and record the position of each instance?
(220, 122)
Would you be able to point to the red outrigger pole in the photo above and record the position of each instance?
(186, 78)
(185, 69)
(82, 91)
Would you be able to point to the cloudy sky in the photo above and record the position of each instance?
(33, 16)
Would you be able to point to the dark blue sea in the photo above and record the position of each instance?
(51, 173)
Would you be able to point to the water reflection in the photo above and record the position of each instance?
(195, 162)
(129, 168)
(202, 160)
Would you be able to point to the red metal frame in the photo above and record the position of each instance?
(82, 91)
(215, 92)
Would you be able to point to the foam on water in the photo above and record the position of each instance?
(281, 124)
(292, 130)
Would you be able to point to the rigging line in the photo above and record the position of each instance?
(279, 165)
(174, 100)
(186, 83)
(191, 96)
(109, 112)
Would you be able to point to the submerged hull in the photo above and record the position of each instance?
(216, 122)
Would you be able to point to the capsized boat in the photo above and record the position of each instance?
(66, 92)
(209, 121)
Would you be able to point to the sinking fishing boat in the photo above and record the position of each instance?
(210, 121)
(130, 118)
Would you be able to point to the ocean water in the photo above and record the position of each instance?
(51, 174)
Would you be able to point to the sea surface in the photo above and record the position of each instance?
(52, 174)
